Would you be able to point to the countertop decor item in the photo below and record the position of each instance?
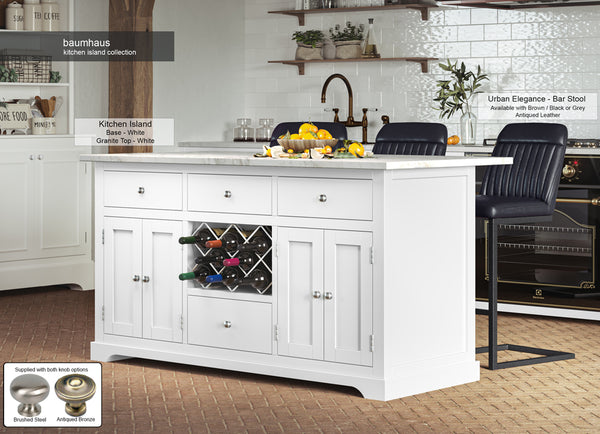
(456, 94)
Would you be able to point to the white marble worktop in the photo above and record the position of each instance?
(480, 149)
(378, 162)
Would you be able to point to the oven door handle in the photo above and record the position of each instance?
(594, 201)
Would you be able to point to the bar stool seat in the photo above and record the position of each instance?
(522, 192)
(411, 138)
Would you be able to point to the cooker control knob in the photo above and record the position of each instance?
(569, 171)
(29, 390)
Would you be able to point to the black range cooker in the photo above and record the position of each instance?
(551, 268)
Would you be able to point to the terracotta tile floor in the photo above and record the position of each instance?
(140, 396)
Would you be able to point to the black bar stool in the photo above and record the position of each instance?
(411, 138)
(522, 192)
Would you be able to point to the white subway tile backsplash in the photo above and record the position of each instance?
(484, 16)
(545, 49)
(471, 33)
(457, 17)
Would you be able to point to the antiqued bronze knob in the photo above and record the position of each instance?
(75, 390)
(29, 390)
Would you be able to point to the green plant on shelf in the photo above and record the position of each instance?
(8, 75)
(309, 37)
(348, 33)
(55, 77)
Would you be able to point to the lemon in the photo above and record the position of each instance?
(356, 149)
(295, 137)
(309, 135)
(307, 127)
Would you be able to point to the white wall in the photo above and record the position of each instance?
(531, 50)
(91, 78)
(203, 89)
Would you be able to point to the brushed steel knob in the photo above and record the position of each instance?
(227, 324)
(141, 190)
(316, 294)
(322, 198)
(328, 295)
(146, 279)
(29, 390)
(40, 157)
(136, 278)
(75, 390)
(227, 194)
(32, 157)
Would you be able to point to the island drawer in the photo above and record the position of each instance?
(143, 190)
(229, 193)
(233, 324)
(325, 198)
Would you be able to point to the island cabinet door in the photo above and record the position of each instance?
(348, 297)
(142, 293)
(161, 287)
(123, 276)
(299, 291)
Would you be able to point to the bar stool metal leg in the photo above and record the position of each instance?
(493, 347)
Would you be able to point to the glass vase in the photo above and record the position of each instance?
(468, 128)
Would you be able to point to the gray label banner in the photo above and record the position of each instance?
(92, 46)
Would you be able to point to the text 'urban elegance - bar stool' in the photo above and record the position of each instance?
(522, 192)
(411, 138)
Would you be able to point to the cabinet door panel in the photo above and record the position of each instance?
(16, 205)
(60, 185)
(348, 297)
(162, 262)
(123, 261)
(300, 274)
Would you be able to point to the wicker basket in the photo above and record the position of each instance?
(302, 145)
(31, 68)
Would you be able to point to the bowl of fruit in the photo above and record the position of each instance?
(308, 136)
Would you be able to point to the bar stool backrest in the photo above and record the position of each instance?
(538, 151)
(411, 138)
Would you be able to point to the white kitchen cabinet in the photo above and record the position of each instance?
(370, 287)
(142, 295)
(45, 222)
(325, 295)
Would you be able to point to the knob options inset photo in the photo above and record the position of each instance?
(76, 401)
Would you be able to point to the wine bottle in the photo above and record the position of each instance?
(258, 244)
(199, 273)
(258, 279)
(229, 241)
(228, 276)
(201, 237)
(217, 256)
(245, 260)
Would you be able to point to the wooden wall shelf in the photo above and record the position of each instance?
(516, 4)
(423, 8)
(300, 63)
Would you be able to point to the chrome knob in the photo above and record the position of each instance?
(141, 190)
(316, 294)
(32, 157)
(146, 279)
(136, 278)
(29, 390)
(328, 295)
(75, 390)
(322, 198)
(40, 157)
(227, 324)
(569, 171)
(227, 194)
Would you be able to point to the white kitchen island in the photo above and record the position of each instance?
(372, 262)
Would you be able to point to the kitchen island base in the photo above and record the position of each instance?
(371, 264)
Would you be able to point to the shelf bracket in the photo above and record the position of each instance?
(300, 66)
(299, 15)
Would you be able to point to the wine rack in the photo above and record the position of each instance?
(246, 232)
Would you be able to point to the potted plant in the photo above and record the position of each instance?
(347, 40)
(309, 43)
(456, 94)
